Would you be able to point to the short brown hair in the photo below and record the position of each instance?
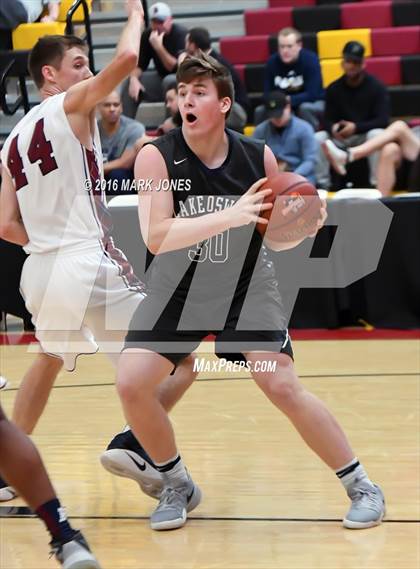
(289, 31)
(209, 68)
(50, 50)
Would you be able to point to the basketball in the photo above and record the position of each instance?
(296, 209)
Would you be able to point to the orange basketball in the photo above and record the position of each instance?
(296, 209)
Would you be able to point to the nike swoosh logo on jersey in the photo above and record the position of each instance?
(140, 466)
(176, 162)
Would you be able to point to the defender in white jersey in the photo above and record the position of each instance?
(58, 188)
(80, 289)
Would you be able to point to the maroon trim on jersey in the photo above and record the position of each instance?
(103, 214)
(105, 220)
(126, 270)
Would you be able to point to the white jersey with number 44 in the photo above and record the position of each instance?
(57, 181)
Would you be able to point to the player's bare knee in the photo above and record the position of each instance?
(129, 385)
(283, 392)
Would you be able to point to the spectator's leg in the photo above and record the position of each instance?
(259, 114)
(322, 166)
(397, 132)
(237, 118)
(312, 112)
(129, 105)
(153, 84)
(374, 157)
(388, 162)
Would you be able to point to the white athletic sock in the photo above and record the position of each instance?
(173, 471)
(353, 473)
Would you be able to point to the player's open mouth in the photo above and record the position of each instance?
(190, 118)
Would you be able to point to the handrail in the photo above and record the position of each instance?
(70, 27)
(23, 99)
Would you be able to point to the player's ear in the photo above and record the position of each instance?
(48, 73)
(225, 104)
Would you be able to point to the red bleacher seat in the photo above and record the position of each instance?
(280, 3)
(247, 49)
(240, 68)
(367, 15)
(267, 21)
(386, 69)
(393, 41)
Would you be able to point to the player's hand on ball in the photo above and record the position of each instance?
(249, 207)
(321, 221)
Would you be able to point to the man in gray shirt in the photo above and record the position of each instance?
(119, 135)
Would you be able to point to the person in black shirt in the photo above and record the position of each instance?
(199, 39)
(211, 273)
(356, 110)
(162, 42)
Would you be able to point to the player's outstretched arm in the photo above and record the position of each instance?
(83, 97)
(11, 225)
(162, 232)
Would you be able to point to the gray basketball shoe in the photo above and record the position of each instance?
(367, 506)
(174, 504)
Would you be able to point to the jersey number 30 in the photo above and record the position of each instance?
(40, 150)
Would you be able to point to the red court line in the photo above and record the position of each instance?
(354, 334)
(16, 338)
(22, 339)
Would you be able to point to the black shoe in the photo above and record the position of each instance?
(127, 458)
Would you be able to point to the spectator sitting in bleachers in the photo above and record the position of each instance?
(297, 72)
(171, 101)
(174, 119)
(198, 39)
(291, 139)
(118, 134)
(356, 107)
(396, 142)
(163, 41)
(16, 12)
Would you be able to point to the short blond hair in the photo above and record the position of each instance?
(288, 32)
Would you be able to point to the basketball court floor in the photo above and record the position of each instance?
(268, 502)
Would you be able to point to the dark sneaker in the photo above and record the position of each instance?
(127, 458)
(74, 554)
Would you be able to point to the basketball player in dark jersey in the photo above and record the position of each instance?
(210, 274)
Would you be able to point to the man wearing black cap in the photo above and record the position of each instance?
(163, 41)
(356, 109)
(291, 139)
